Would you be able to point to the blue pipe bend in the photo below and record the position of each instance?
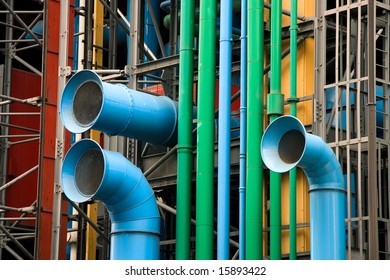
(285, 145)
(89, 103)
(89, 172)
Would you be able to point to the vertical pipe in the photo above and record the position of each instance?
(225, 63)
(254, 188)
(184, 148)
(293, 112)
(323, 171)
(60, 131)
(205, 128)
(243, 111)
(275, 109)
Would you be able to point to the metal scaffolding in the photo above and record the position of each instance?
(352, 113)
(17, 39)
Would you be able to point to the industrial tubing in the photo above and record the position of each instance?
(206, 130)
(293, 112)
(184, 145)
(254, 168)
(91, 173)
(243, 120)
(89, 103)
(274, 110)
(327, 190)
(225, 65)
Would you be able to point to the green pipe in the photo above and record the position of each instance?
(254, 214)
(274, 110)
(205, 127)
(293, 112)
(236, 9)
(184, 146)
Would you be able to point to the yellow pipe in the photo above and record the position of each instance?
(97, 58)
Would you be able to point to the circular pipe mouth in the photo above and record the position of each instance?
(283, 144)
(87, 103)
(291, 146)
(89, 172)
(82, 101)
(83, 170)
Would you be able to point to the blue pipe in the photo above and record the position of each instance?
(285, 145)
(89, 103)
(89, 172)
(225, 65)
(243, 110)
(149, 30)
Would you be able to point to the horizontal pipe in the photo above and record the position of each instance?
(285, 145)
(89, 103)
(90, 172)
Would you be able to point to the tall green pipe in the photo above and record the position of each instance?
(274, 110)
(254, 214)
(236, 8)
(293, 112)
(184, 146)
(205, 127)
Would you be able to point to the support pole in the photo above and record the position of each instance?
(274, 110)
(206, 126)
(225, 66)
(184, 148)
(254, 188)
(243, 131)
(60, 132)
(293, 112)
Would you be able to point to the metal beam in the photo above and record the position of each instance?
(373, 243)
(89, 221)
(21, 22)
(16, 242)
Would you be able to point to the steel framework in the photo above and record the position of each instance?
(352, 113)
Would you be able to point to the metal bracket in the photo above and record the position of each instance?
(58, 188)
(3, 243)
(64, 71)
(59, 149)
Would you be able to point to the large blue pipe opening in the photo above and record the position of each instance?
(285, 145)
(89, 103)
(91, 173)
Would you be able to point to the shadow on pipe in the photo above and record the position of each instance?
(285, 145)
(90, 172)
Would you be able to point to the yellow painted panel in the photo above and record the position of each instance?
(90, 253)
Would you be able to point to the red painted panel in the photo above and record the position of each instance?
(49, 133)
(52, 78)
(53, 27)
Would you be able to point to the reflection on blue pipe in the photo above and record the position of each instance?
(90, 172)
(243, 128)
(225, 63)
(286, 144)
(89, 103)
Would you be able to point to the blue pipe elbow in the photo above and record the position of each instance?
(285, 145)
(89, 103)
(89, 172)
